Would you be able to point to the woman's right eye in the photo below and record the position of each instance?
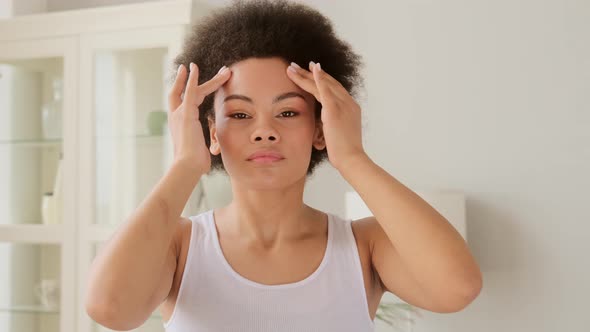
(239, 116)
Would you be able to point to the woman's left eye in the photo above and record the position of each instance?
(292, 114)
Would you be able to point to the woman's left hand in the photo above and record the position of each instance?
(341, 114)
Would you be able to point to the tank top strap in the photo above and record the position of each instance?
(346, 258)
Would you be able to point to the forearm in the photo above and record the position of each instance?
(429, 245)
(129, 267)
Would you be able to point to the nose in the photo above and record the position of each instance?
(265, 133)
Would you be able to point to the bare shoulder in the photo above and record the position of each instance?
(181, 236)
(180, 246)
(363, 230)
(184, 229)
(374, 237)
(370, 234)
(364, 227)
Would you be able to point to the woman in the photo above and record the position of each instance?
(267, 261)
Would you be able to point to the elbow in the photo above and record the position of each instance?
(468, 296)
(101, 313)
(107, 314)
(104, 308)
(463, 296)
(473, 287)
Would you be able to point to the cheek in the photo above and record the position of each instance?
(225, 135)
(301, 140)
(228, 140)
(234, 141)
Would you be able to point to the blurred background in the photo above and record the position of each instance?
(488, 99)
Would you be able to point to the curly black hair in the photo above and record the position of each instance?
(264, 29)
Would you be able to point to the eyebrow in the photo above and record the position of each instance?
(275, 100)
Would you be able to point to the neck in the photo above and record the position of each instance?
(269, 217)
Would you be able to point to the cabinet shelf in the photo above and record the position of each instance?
(138, 140)
(30, 309)
(43, 143)
(33, 233)
(141, 138)
(32, 143)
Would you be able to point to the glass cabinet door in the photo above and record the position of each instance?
(37, 235)
(30, 287)
(129, 126)
(125, 148)
(31, 114)
(124, 135)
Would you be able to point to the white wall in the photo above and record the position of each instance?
(492, 97)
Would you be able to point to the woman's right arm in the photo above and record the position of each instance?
(137, 265)
(133, 273)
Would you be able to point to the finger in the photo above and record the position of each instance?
(336, 87)
(215, 83)
(321, 82)
(191, 85)
(304, 80)
(309, 74)
(301, 71)
(175, 94)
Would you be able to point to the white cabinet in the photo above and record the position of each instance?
(82, 92)
(37, 249)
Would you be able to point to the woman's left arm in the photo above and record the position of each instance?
(415, 251)
(433, 253)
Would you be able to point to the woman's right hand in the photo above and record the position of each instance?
(183, 116)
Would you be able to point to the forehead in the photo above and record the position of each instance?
(261, 79)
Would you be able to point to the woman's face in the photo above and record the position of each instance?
(261, 109)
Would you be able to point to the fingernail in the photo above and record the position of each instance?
(295, 65)
(312, 64)
(221, 69)
(179, 69)
(319, 67)
(192, 66)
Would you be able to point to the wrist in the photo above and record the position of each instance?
(187, 169)
(353, 163)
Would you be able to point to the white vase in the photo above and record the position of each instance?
(52, 112)
(48, 208)
(57, 193)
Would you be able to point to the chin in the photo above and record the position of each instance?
(261, 179)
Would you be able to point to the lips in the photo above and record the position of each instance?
(266, 156)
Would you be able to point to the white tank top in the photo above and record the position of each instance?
(215, 298)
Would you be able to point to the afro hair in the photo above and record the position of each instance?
(264, 29)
